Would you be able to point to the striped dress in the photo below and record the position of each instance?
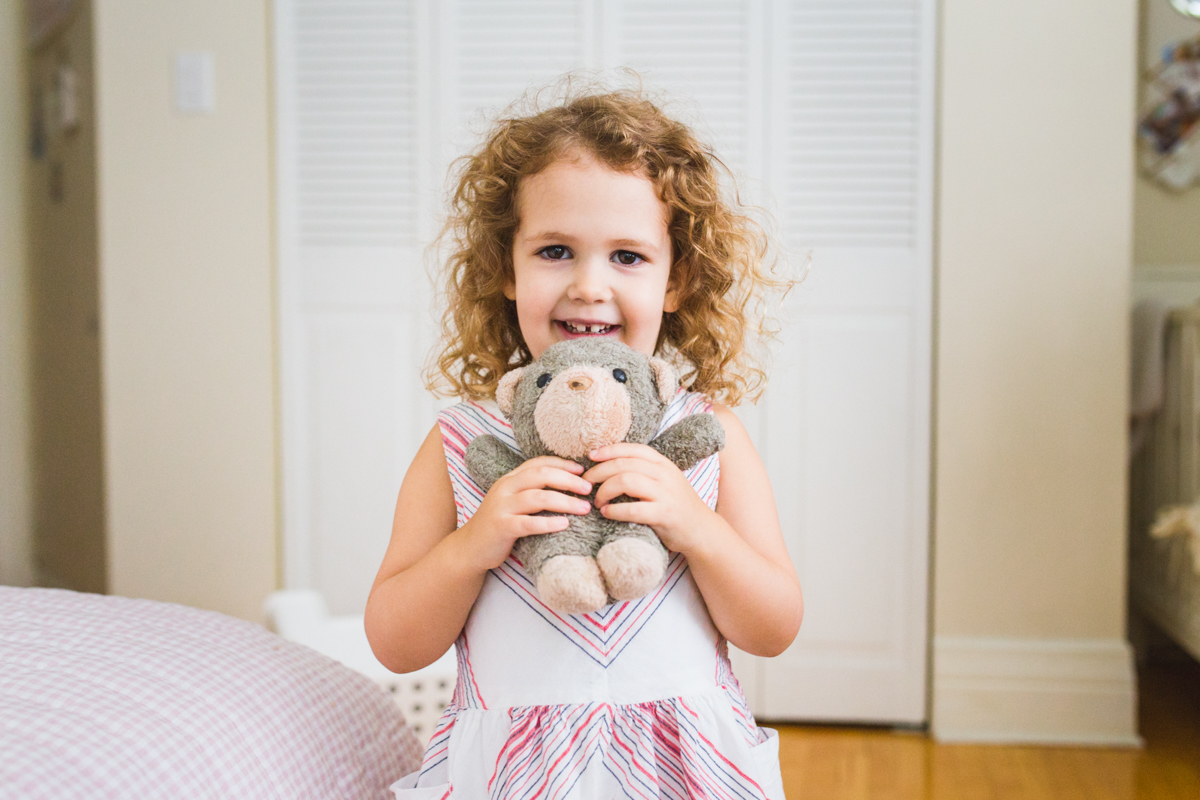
(636, 700)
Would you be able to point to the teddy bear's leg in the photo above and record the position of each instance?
(632, 560)
(563, 568)
(572, 585)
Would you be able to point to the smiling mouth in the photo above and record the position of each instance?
(589, 329)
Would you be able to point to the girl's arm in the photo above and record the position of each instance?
(741, 563)
(737, 554)
(432, 573)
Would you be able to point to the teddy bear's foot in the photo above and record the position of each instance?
(631, 567)
(572, 584)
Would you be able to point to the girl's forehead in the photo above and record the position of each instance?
(581, 189)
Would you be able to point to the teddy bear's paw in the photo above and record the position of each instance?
(572, 584)
(631, 567)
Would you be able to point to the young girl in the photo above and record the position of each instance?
(597, 217)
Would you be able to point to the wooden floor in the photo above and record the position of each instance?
(853, 764)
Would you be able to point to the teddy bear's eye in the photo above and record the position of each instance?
(543, 379)
(619, 374)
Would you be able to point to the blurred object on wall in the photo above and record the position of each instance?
(70, 528)
(1189, 8)
(45, 17)
(1170, 146)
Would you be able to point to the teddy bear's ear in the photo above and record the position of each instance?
(507, 389)
(664, 378)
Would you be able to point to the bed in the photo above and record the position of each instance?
(112, 697)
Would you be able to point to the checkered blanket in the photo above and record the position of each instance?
(108, 697)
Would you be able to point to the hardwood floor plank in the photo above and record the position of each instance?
(827, 763)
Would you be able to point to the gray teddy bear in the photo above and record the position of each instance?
(580, 395)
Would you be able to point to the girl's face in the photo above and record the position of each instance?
(591, 257)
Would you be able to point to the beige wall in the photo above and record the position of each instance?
(16, 519)
(1166, 223)
(1034, 253)
(1034, 248)
(187, 306)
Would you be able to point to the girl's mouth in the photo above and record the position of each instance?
(575, 329)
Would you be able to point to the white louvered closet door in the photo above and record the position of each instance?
(846, 426)
(824, 110)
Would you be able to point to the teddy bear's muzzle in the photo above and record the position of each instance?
(583, 408)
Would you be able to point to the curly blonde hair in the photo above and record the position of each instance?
(720, 264)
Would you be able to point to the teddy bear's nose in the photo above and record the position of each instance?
(580, 384)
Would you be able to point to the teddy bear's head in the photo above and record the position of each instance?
(583, 394)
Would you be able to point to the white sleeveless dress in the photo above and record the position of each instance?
(636, 700)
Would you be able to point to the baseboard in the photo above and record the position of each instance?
(1035, 691)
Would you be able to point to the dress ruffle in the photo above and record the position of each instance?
(675, 748)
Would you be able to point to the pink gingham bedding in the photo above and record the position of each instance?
(108, 697)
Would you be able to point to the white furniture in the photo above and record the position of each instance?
(1164, 581)
(302, 616)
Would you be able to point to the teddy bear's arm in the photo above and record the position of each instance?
(489, 459)
(690, 440)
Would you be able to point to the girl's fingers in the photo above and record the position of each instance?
(626, 450)
(550, 477)
(534, 526)
(531, 501)
(630, 512)
(630, 483)
(606, 470)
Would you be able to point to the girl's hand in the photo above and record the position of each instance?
(507, 511)
(664, 499)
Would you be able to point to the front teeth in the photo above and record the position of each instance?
(588, 328)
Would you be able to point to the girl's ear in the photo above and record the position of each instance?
(506, 390)
(671, 301)
(664, 378)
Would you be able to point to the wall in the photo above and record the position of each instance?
(16, 512)
(1034, 245)
(187, 306)
(1166, 223)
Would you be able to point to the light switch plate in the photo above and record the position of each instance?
(194, 82)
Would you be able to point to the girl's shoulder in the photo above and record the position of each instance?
(483, 412)
(463, 421)
(683, 404)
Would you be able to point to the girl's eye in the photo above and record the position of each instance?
(619, 374)
(543, 379)
(627, 258)
(555, 252)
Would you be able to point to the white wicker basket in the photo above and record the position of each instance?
(1164, 584)
(302, 616)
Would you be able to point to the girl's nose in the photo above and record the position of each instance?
(588, 284)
